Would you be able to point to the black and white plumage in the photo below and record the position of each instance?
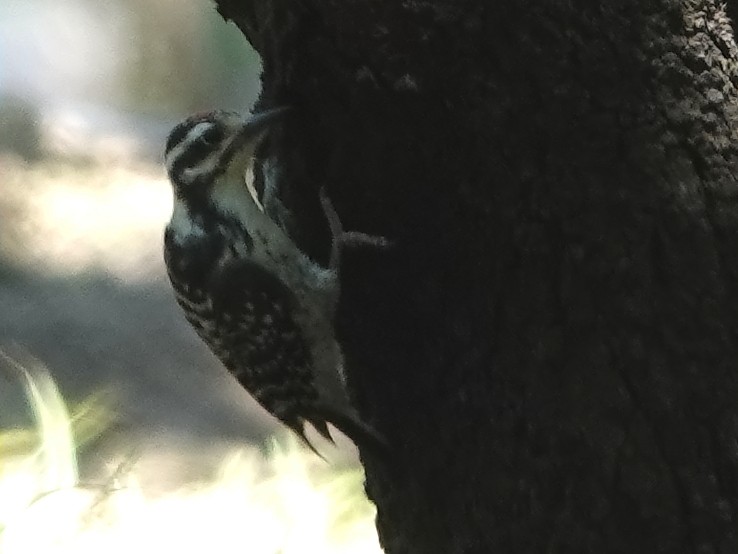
(263, 307)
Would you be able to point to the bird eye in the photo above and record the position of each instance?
(212, 136)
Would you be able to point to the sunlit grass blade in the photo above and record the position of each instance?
(52, 421)
(286, 501)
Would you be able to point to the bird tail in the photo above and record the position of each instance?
(299, 428)
(365, 437)
(350, 424)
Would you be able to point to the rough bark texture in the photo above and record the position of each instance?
(552, 344)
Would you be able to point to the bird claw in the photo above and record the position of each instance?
(341, 238)
(357, 238)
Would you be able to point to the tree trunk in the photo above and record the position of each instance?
(551, 344)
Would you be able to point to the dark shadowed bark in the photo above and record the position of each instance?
(551, 345)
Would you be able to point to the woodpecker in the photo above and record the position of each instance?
(263, 307)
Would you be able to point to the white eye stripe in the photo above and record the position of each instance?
(198, 130)
(204, 167)
(191, 137)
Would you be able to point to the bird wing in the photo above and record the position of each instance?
(261, 343)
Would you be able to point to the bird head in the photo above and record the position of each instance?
(206, 146)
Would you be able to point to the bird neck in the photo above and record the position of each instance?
(230, 198)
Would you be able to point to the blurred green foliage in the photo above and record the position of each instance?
(187, 59)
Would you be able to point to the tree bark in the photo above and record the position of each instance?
(551, 345)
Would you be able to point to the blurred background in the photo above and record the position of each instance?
(89, 90)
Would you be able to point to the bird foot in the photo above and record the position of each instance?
(341, 238)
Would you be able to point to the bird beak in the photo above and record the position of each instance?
(259, 123)
(249, 132)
